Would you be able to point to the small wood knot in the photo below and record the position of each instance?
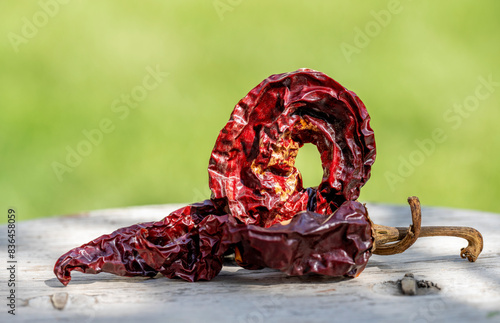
(409, 285)
(59, 300)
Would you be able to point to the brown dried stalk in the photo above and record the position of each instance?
(391, 240)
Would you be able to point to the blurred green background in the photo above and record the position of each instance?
(420, 67)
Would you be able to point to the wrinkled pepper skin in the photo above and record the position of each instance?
(251, 169)
(185, 244)
(335, 245)
(258, 206)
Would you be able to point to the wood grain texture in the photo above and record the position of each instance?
(469, 291)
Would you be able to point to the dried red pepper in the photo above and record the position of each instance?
(185, 244)
(339, 244)
(251, 169)
(258, 206)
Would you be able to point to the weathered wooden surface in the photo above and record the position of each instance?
(469, 291)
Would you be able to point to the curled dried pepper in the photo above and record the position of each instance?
(251, 169)
(259, 207)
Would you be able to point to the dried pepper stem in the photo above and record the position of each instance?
(405, 237)
(384, 235)
(474, 237)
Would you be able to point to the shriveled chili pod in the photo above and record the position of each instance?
(185, 244)
(258, 205)
(339, 244)
(251, 169)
